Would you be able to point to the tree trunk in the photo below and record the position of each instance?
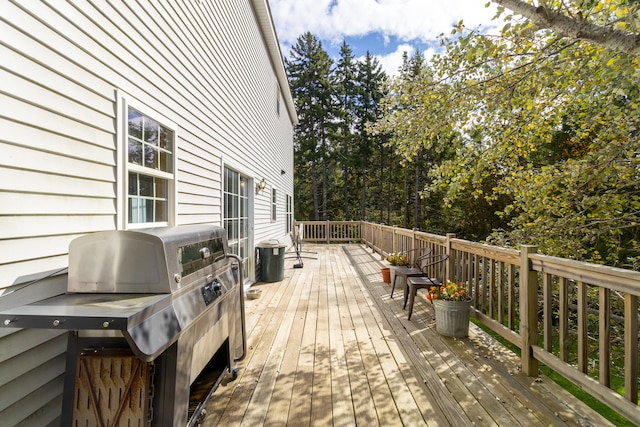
(379, 197)
(389, 198)
(405, 201)
(363, 198)
(324, 189)
(345, 190)
(314, 191)
(416, 199)
(543, 17)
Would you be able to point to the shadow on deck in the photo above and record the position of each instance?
(329, 346)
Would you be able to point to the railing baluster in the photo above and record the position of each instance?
(476, 281)
(563, 327)
(492, 288)
(528, 311)
(511, 283)
(583, 351)
(485, 288)
(604, 336)
(500, 284)
(547, 310)
(631, 347)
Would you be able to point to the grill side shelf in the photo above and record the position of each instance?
(84, 312)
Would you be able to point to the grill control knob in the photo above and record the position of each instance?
(7, 322)
(177, 278)
(105, 324)
(56, 322)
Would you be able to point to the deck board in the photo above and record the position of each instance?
(329, 346)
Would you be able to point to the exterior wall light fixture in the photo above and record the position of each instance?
(261, 186)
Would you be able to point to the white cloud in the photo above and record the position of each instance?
(405, 22)
(392, 62)
(408, 20)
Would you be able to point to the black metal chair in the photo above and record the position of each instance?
(433, 265)
(416, 257)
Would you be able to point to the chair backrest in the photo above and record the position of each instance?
(434, 265)
(416, 255)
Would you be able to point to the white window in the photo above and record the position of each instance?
(274, 205)
(289, 224)
(149, 168)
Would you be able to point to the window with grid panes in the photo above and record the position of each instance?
(273, 205)
(150, 148)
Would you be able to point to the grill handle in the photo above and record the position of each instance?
(241, 284)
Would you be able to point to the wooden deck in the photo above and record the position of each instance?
(328, 346)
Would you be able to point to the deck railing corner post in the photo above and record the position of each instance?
(414, 244)
(528, 310)
(394, 239)
(449, 266)
(328, 231)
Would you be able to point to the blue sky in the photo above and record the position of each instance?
(386, 28)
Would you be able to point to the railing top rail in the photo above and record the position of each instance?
(331, 222)
(421, 235)
(431, 238)
(510, 256)
(619, 279)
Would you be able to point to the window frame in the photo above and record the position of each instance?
(289, 214)
(274, 204)
(126, 102)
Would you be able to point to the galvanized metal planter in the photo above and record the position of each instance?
(452, 317)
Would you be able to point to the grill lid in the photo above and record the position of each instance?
(154, 260)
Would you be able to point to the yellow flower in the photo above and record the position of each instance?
(450, 291)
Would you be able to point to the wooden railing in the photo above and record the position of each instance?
(579, 319)
(330, 231)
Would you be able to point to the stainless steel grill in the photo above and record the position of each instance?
(171, 296)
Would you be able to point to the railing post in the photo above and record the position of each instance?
(528, 311)
(413, 240)
(450, 261)
(328, 231)
(394, 240)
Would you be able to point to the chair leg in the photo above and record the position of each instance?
(406, 292)
(412, 296)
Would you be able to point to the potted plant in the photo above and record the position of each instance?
(397, 259)
(452, 305)
(386, 274)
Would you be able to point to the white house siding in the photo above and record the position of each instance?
(210, 66)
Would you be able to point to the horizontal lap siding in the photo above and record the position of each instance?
(201, 64)
(57, 148)
(32, 363)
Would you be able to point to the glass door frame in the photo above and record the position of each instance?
(237, 217)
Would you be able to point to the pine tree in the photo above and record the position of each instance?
(346, 85)
(371, 91)
(309, 69)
